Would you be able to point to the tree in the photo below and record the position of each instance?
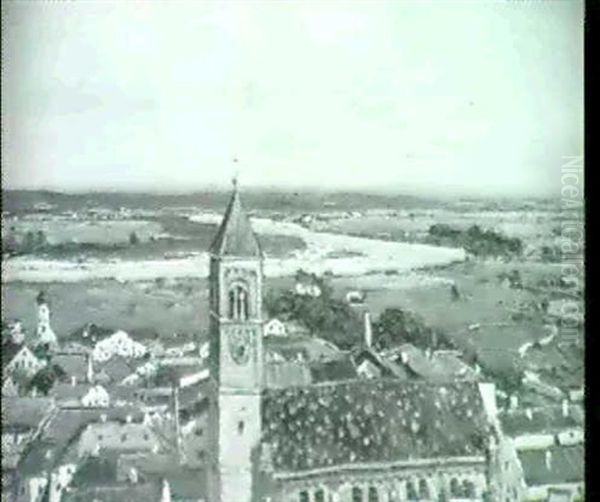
(41, 241)
(45, 379)
(396, 326)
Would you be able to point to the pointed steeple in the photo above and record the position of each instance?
(235, 236)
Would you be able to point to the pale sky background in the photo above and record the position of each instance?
(420, 97)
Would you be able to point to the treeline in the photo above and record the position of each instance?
(476, 241)
(37, 242)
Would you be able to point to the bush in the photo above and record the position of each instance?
(133, 239)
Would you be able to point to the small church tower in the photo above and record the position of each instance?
(45, 334)
(236, 355)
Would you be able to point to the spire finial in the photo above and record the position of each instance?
(234, 180)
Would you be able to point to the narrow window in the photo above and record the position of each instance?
(454, 488)
(411, 492)
(232, 302)
(241, 427)
(320, 495)
(357, 494)
(423, 490)
(468, 489)
(303, 496)
(373, 495)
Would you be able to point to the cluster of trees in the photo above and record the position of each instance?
(45, 379)
(476, 241)
(396, 327)
(37, 241)
(30, 243)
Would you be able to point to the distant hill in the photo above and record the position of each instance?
(20, 201)
(16, 201)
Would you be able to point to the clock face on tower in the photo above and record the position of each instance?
(240, 345)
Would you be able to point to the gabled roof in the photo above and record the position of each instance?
(73, 364)
(235, 236)
(333, 370)
(372, 421)
(544, 420)
(553, 466)
(24, 412)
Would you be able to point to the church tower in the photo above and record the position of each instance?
(236, 356)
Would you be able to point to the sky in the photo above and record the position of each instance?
(426, 97)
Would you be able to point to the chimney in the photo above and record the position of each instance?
(90, 369)
(166, 492)
(565, 408)
(514, 402)
(73, 380)
(404, 357)
(529, 413)
(548, 460)
(368, 330)
(103, 418)
(128, 418)
(133, 476)
(177, 425)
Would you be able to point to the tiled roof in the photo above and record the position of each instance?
(24, 412)
(65, 391)
(235, 236)
(549, 419)
(566, 465)
(372, 421)
(9, 350)
(97, 471)
(117, 368)
(331, 371)
(439, 368)
(185, 483)
(73, 364)
(142, 492)
(287, 374)
(388, 367)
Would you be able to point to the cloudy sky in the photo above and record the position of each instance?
(416, 97)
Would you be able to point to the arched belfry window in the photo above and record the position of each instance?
(238, 303)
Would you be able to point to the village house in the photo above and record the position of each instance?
(74, 395)
(128, 436)
(119, 343)
(22, 421)
(275, 327)
(545, 449)
(23, 361)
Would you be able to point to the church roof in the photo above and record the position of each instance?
(235, 236)
(373, 421)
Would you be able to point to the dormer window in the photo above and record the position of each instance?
(238, 303)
